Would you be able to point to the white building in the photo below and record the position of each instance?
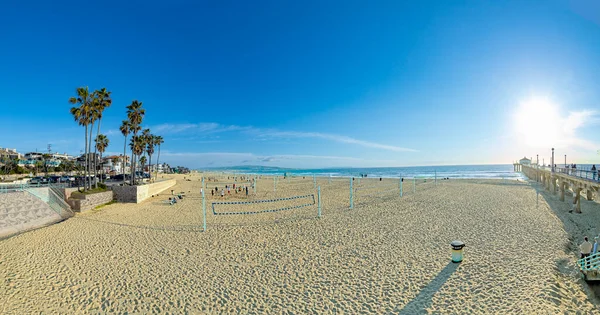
(114, 164)
(525, 161)
(62, 156)
(10, 153)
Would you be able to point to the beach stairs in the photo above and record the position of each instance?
(590, 267)
(23, 211)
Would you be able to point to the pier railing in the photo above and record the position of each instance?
(573, 172)
(580, 173)
(591, 262)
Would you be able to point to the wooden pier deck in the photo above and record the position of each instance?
(561, 180)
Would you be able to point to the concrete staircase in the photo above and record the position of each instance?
(22, 211)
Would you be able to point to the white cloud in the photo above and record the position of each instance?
(112, 132)
(332, 137)
(576, 120)
(171, 128)
(539, 123)
(204, 159)
(208, 128)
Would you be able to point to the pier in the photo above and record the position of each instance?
(561, 180)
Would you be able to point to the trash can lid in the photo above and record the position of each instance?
(457, 244)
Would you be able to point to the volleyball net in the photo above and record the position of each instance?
(264, 206)
(309, 200)
(367, 189)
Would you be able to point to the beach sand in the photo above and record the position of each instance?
(387, 255)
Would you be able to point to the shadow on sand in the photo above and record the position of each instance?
(198, 228)
(423, 300)
(576, 225)
(177, 228)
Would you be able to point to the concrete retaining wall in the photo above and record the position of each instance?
(68, 192)
(138, 194)
(90, 201)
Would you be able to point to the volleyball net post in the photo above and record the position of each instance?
(400, 186)
(319, 201)
(314, 181)
(351, 195)
(203, 212)
(274, 183)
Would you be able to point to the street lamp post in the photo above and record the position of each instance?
(552, 161)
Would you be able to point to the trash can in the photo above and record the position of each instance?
(457, 251)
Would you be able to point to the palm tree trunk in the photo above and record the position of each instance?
(93, 158)
(157, 159)
(150, 165)
(133, 163)
(124, 159)
(102, 168)
(86, 157)
(95, 150)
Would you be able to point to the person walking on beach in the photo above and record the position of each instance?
(594, 171)
(222, 193)
(212, 192)
(246, 191)
(585, 248)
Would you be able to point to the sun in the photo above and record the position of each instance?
(537, 123)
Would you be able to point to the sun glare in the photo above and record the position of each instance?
(537, 123)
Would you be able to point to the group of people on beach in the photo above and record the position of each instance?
(239, 189)
(586, 248)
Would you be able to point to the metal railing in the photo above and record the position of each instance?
(58, 189)
(55, 200)
(6, 188)
(58, 204)
(580, 173)
(591, 262)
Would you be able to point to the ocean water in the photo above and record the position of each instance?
(456, 171)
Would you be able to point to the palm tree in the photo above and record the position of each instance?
(100, 101)
(46, 158)
(143, 162)
(137, 148)
(145, 137)
(135, 114)
(159, 141)
(82, 116)
(38, 165)
(150, 150)
(125, 129)
(101, 144)
(149, 147)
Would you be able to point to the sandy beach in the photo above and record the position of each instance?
(387, 255)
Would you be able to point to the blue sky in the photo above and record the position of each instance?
(311, 83)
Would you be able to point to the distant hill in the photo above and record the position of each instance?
(247, 168)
